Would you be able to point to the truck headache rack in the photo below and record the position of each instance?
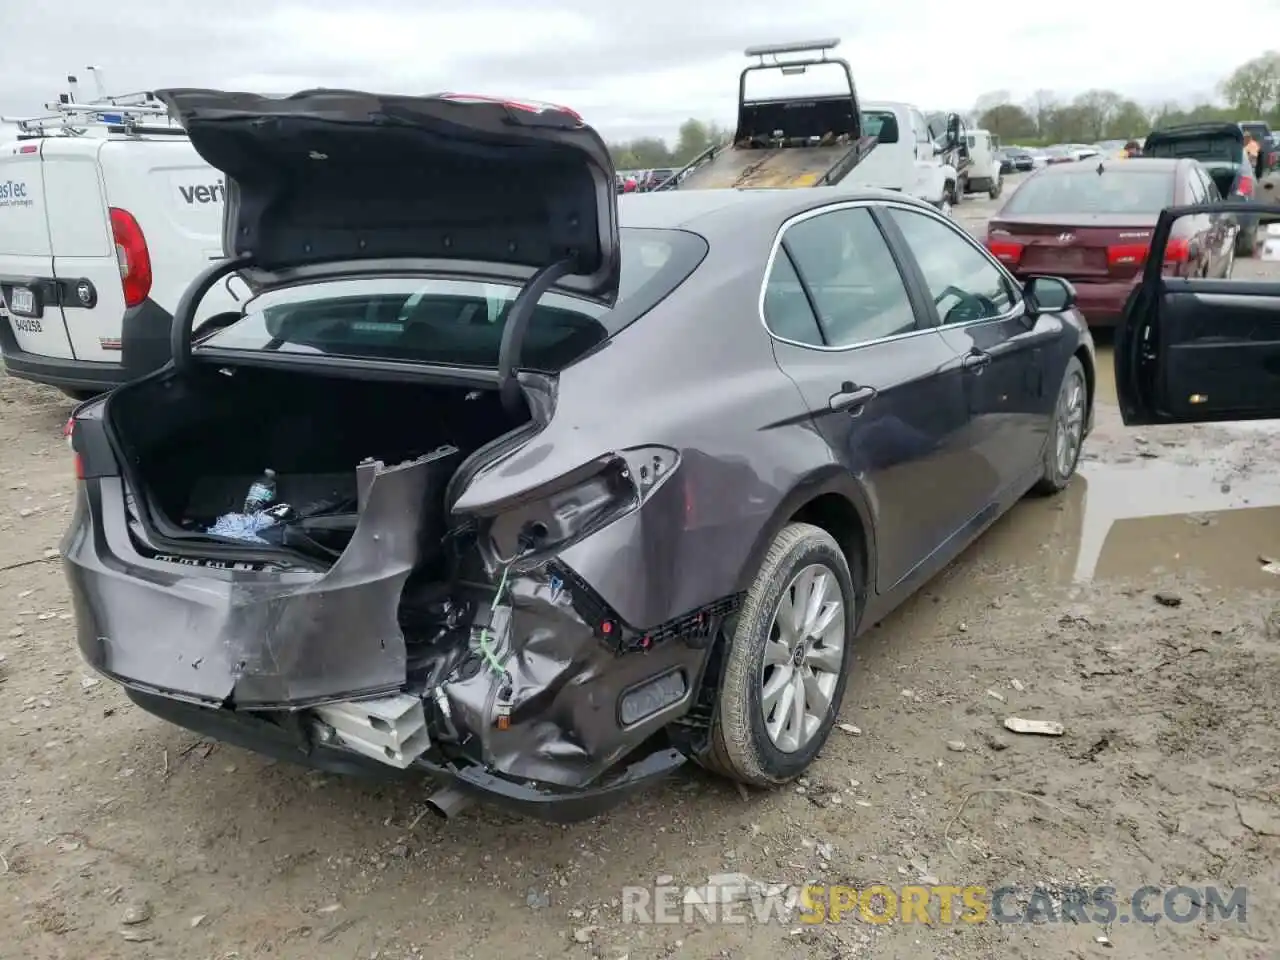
(796, 141)
(130, 113)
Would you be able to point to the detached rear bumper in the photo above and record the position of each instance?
(288, 740)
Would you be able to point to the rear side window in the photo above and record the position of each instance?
(454, 321)
(1120, 189)
(838, 264)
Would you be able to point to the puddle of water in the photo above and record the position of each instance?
(1129, 520)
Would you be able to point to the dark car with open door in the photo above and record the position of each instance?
(1091, 222)
(1195, 350)
(1219, 147)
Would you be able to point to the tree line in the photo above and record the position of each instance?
(1250, 92)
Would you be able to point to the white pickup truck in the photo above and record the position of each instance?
(906, 157)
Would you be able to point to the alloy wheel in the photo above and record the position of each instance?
(1070, 427)
(803, 657)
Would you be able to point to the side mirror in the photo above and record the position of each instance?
(1048, 295)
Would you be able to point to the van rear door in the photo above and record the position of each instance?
(163, 208)
(26, 257)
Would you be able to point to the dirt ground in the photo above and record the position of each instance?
(1168, 772)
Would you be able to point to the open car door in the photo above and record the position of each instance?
(1196, 350)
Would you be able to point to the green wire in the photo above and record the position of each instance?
(485, 648)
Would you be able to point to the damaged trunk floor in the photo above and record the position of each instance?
(125, 836)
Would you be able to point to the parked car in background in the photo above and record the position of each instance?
(1083, 151)
(1017, 159)
(1092, 223)
(653, 179)
(1219, 147)
(547, 594)
(1059, 154)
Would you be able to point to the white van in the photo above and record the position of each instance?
(106, 214)
(983, 175)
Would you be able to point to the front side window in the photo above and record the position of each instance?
(963, 282)
(882, 124)
(851, 277)
(453, 321)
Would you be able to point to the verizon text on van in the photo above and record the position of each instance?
(204, 193)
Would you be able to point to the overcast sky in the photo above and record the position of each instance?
(631, 68)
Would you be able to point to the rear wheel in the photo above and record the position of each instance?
(785, 667)
(1066, 434)
(1246, 242)
(996, 188)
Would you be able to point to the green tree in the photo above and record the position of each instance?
(1129, 119)
(1009, 122)
(694, 137)
(1253, 88)
(1094, 110)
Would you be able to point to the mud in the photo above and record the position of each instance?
(1168, 771)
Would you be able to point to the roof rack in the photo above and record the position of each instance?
(130, 113)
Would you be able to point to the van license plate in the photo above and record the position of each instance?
(22, 302)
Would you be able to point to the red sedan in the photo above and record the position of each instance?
(1091, 223)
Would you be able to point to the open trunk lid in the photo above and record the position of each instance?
(325, 178)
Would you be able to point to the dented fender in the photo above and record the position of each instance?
(255, 639)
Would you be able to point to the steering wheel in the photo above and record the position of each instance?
(972, 306)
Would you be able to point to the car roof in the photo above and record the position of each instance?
(706, 211)
(1132, 165)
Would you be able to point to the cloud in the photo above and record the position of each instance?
(632, 69)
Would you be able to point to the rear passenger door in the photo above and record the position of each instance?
(982, 316)
(883, 386)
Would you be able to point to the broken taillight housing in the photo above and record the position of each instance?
(581, 502)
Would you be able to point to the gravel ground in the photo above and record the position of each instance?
(1135, 609)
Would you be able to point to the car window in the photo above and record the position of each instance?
(1196, 192)
(845, 263)
(964, 284)
(1211, 191)
(457, 321)
(921, 127)
(882, 124)
(786, 306)
(1068, 190)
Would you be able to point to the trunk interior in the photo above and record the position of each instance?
(197, 442)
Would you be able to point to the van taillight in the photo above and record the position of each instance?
(132, 256)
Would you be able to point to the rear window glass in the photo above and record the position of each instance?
(457, 322)
(1220, 149)
(882, 124)
(1115, 191)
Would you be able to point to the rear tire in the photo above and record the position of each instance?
(767, 747)
(1246, 242)
(1066, 435)
(82, 395)
(996, 189)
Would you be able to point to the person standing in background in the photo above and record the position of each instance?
(1132, 149)
(1253, 152)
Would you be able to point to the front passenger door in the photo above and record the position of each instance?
(982, 315)
(883, 387)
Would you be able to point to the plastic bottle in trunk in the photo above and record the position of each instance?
(262, 492)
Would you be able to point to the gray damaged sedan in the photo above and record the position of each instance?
(540, 492)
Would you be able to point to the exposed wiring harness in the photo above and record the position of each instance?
(486, 645)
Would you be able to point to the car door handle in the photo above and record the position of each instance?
(850, 398)
(977, 361)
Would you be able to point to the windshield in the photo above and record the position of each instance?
(454, 321)
(880, 123)
(1124, 191)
